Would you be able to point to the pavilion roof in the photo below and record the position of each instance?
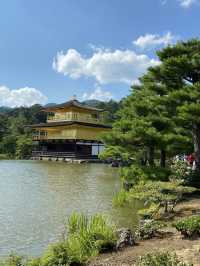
(72, 103)
(65, 123)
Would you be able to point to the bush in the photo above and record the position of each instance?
(34, 262)
(149, 212)
(147, 229)
(56, 254)
(162, 197)
(193, 179)
(132, 175)
(180, 170)
(23, 147)
(13, 260)
(189, 227)
(184, 173)
(160, 258)
(157, 173)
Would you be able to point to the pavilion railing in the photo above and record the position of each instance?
(61, 154)
(74, 117)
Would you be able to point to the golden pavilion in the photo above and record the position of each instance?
(72, 130)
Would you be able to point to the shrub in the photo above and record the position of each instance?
(160, 258)
(34, 262)
(189, 227)
(180, 170)
(184, 173)
(163, 195)
(13, 260)
(193, 179)
(23, 147)
(147, 229)
(56, 254)
(157, 173)
(132, 175)
(149, 212)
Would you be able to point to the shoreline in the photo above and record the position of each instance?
(187, 250)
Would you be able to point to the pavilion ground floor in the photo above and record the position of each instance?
(66, 149)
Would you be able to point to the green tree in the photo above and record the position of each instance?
(179, 71)
(15, 137)
(162, 114)
(23, 147)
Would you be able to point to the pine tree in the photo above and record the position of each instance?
(180, 72)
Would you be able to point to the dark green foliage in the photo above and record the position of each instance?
(157, 173)
(8, 145)
(160, 259)
(189, 227)
(14, 135)
(161, 116)
(23, 147)
(111, 107)
(193, 179)
(132, 175)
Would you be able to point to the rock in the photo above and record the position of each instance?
(127, 185)
(125, 238)
(115, 164)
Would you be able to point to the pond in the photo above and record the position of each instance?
(36, 198)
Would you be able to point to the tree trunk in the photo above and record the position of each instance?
(162, 158)
(196, 141)
(166, 207)
(151, 156)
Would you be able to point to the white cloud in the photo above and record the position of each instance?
(153, 40)
(187, 3)
(163, 2)
(183, 3)
(98, 94)
(20, 97)
(104, 65)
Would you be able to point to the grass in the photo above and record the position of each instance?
(88, 237)
(4, 156)
(121, 198)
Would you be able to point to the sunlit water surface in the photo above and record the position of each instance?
(37, 197)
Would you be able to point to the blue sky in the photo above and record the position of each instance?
(53, 49)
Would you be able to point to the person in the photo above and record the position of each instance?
(194, 165)
(191, 159)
